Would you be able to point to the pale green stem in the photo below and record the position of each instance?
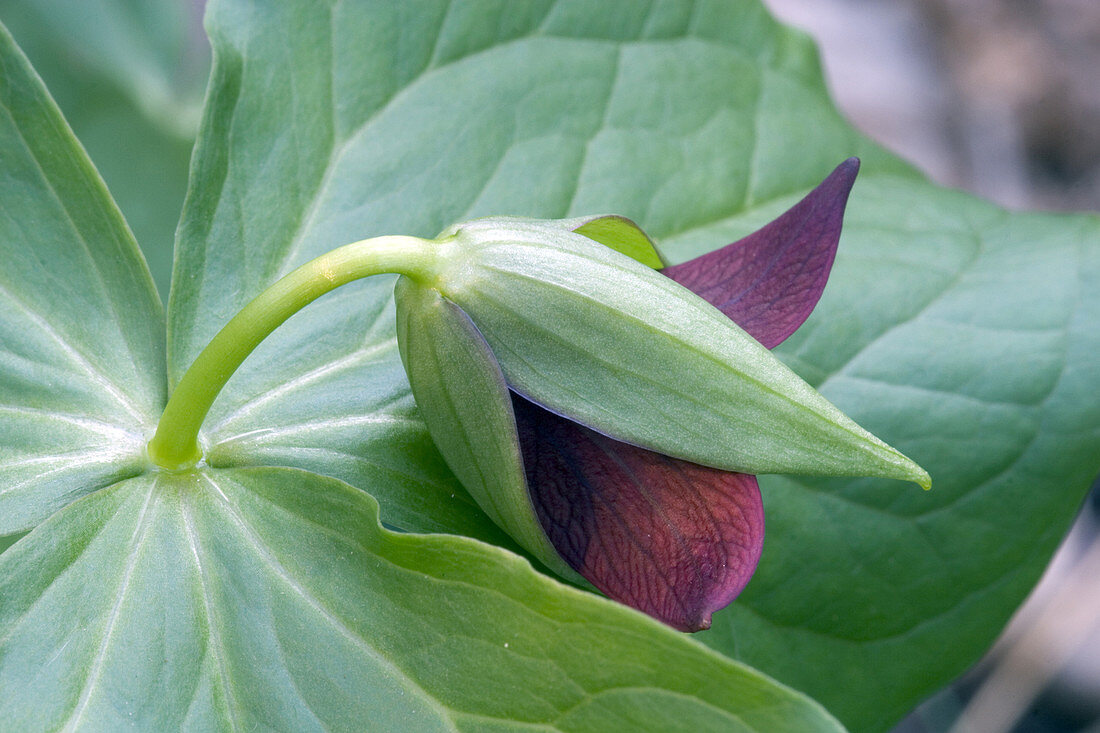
(175, 445)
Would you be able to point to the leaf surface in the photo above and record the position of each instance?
(272, 598)
(963, 335)
(979, 370)
(81, 327)
(129, 79)
(152, 51)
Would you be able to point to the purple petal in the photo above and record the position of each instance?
(673, 539)
(769, 281)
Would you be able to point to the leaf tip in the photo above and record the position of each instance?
(915, 473)
(912, 471)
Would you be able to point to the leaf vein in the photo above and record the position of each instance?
(217, 653)
(328, 616)
(76, 357)
(137, 541)
(365, 354)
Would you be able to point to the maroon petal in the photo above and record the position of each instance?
(673, 539)
(769, 281)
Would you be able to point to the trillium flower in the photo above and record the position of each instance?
(610, 419)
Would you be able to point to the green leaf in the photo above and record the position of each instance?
(700, 122)
(153, 52)
(327, 391)
(129, 79)
(335, 400)
(980, 367)
(9, 540)
(272, 598)
(81, 327)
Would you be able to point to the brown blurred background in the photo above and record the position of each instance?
(1001, 97)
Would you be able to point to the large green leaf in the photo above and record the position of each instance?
(962, 335)
(81, 327)
(272, 599)
(9, 540)
(129, 78)
(152, 51)
(335, 399)
(980, 367)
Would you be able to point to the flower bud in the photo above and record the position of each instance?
(595, 336)
(604, 416)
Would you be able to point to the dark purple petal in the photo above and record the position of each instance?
(673, 539)
(769, 281)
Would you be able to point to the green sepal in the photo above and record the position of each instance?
(463, 398)
(604, 340)
(620, 234)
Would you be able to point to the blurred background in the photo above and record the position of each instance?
(129, 76)
(999, 97)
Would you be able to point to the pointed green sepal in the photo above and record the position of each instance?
(464, 401)
(620, 234)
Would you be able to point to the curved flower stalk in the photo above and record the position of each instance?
(670, 526)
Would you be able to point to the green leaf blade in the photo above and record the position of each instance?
(338, 403)
(129, 79)
(81, 326)
(978, 370)
(272, 597)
